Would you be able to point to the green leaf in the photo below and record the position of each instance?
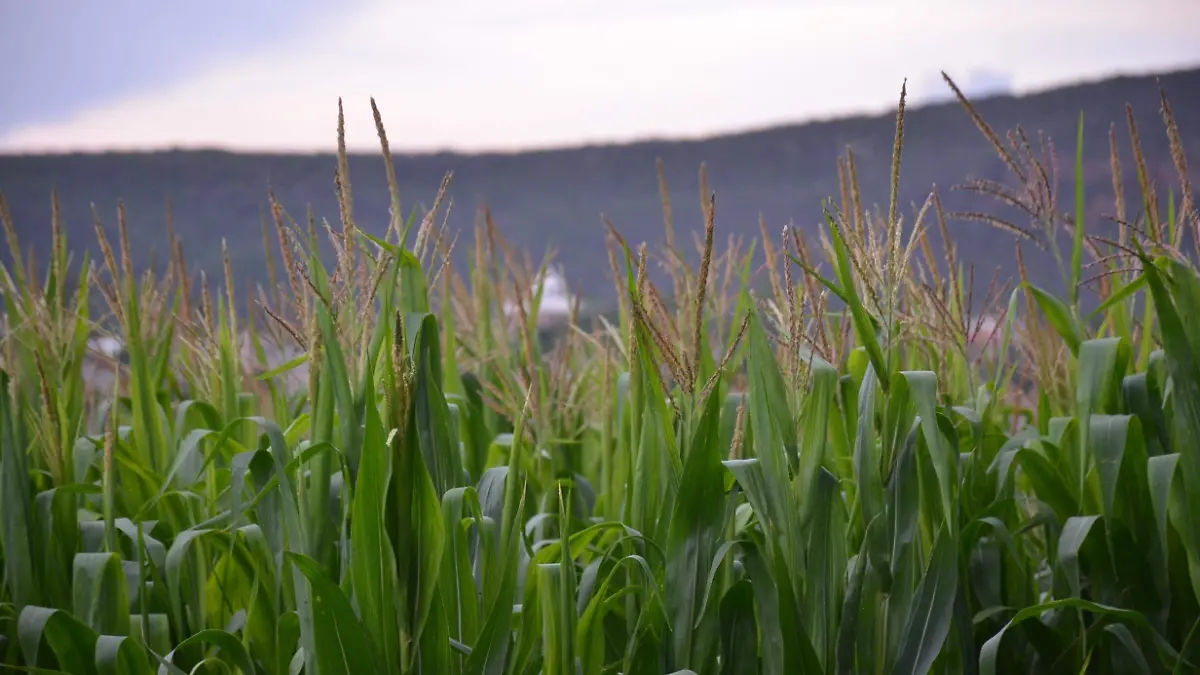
(420, 537)
(187, 575)
(489, 655)
(853, 608)
(1160, 477)
(431, 413)
(739, 631)
(232, 651)
(462, 512)
(826, 566)
(989, 654)
(932, 611)
(71, 642)
(694, 533)
(1124, 637)
(1119, 295)
(373, 563)
(1074, 533)
(101, 594)
(787, 647)
(17, 517)
(341, 643)
(819, 405)
(866, 461)
(1121, 465)
(120, 655)
(1059, 315)
(284, 368)
(864, 328)
(922, 387)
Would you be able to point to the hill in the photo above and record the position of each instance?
(555, 198)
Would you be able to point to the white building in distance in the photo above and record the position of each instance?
(555, 307)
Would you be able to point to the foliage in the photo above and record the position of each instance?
(845, 474)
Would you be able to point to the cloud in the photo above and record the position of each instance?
(473, 74)
(76, 55)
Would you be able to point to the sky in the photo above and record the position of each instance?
(475, 75)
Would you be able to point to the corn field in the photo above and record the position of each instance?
(844, 473)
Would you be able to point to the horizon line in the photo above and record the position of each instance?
(946, 99)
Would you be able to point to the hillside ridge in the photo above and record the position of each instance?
(555, 197)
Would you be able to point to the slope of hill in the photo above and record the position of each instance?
(555, 198)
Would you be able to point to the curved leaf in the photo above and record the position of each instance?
(231, 649)
(120, 655)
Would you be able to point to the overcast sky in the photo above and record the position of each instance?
(482, 74)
